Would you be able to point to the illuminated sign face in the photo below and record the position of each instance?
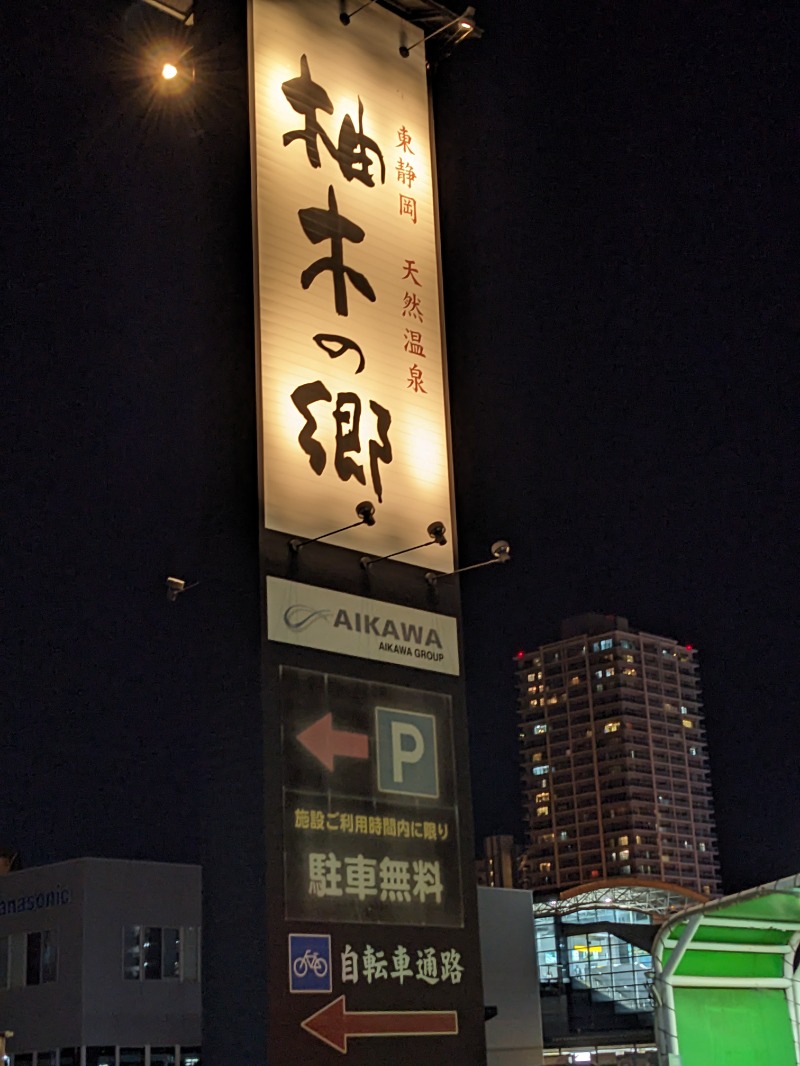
(312, 617)
(351, 360)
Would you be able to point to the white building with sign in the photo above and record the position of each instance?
(100, 964)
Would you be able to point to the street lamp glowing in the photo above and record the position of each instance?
(169, 71)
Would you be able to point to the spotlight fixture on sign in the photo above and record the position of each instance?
(464, 26)
(436, 531)
(178, 9)
(501, 553)
(366, 517)
(344, 18)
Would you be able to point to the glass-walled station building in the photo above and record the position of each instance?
(593, 948)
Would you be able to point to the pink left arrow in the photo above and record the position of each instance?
(326, 743)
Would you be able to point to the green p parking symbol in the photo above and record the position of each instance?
(406, 752)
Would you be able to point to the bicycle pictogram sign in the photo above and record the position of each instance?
(309, 963)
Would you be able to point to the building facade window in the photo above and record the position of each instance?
(109, 1055)
(131, 1056)
(41, 958)
(162, 1056)
(101, 1056)
(155, 953)
(5, 952)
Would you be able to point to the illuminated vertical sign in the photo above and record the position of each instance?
(350, 338)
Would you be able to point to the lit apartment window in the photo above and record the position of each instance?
(539, 771)
(611, 727)
(539, 728)
(537, 756)
(602, 645)
(542, 797)
(41, 958)
(543, 810)
(687, 723)
(152, 953)
(624, 854)
(624, 840)
(545, 867)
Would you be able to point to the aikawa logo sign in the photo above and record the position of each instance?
(300, 617)
(354, 625)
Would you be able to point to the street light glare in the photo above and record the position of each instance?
(169, 71)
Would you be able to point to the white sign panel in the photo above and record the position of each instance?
(313, 617)
(352, 375)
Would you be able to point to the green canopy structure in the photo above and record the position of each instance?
(726, 980)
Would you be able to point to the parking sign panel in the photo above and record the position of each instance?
(370, 821)
(407, 755)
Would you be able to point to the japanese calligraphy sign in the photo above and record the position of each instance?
(350, 343)
(371, 822)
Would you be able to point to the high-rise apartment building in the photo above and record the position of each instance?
(615, 776)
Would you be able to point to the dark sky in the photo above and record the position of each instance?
(619, 189)
(619, 197)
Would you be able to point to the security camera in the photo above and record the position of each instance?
(175, 585)
(501, 550)
(366, 512)
(436, 531)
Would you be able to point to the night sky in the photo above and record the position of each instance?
(619, 187)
